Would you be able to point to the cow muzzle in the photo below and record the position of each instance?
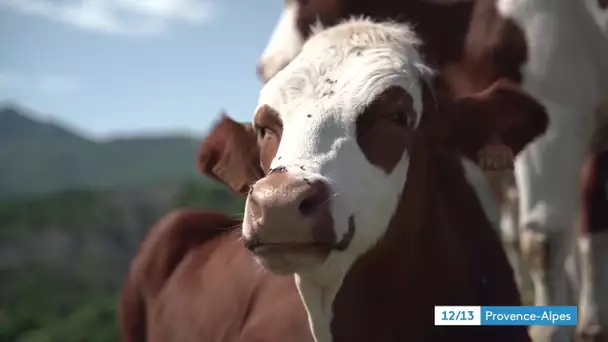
(288, 223)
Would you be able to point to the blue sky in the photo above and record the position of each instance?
(117, 67)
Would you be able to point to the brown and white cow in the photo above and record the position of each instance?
(553, 49)
(367, 197)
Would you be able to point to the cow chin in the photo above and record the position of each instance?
(275, 248)
(288, 260)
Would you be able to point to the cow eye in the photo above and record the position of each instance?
(396, 105)
(403, 118)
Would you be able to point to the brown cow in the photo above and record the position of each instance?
(193, 281)
(366, 199)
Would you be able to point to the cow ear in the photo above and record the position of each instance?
(503, 113)
(230, 154)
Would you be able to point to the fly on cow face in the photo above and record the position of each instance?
(334, 136)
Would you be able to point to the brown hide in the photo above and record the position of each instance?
(193, 281)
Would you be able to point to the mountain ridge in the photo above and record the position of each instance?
(41, 156)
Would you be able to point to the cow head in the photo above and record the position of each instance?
(334, 131)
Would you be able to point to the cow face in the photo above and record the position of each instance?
(334, 130)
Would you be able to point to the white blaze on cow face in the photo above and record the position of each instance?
(319, 96)
(284, 44)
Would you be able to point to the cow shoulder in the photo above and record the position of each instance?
(170, 239)
(162, 250)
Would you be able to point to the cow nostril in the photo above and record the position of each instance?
(315, 199)
(308, 206)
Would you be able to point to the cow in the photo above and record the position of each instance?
(553, 49)
(193, 281)
(370, 197)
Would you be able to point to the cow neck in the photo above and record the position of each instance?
(438, 250)
(375, 282)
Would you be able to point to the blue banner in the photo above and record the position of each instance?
(506, 315)
(529, 315)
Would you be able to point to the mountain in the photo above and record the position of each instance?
(38, 157)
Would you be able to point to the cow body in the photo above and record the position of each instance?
(463, 268)
(554, 49)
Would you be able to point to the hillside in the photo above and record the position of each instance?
(39, 157)
(64, 256)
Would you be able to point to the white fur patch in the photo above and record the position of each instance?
(319, 96)
(284, 44)
(481, 186)
(593, 251)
